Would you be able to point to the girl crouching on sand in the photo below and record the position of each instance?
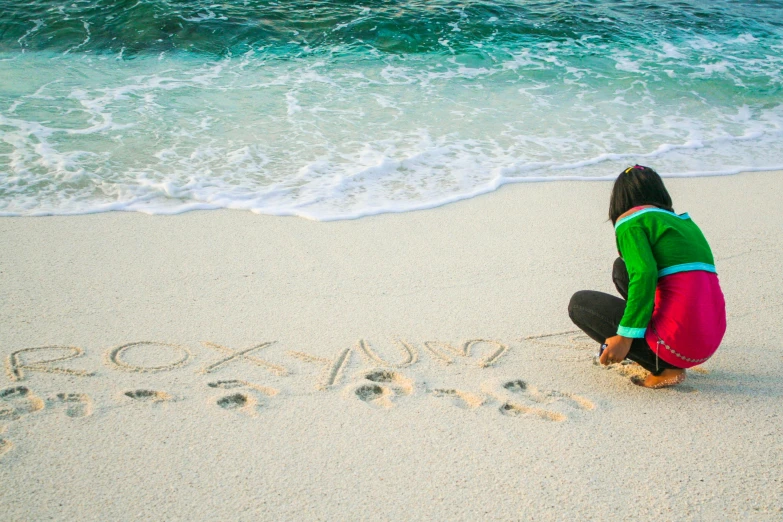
(673, 316)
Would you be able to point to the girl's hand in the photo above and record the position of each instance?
(617, 348)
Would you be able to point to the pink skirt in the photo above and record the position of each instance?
(689, 318)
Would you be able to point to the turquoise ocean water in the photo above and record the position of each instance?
(336, 109)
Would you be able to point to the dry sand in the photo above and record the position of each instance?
(225, 365)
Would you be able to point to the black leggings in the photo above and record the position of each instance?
(598, 315)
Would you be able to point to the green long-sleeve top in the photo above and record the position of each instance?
(654, 243)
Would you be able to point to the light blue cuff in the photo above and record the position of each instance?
(635, 333)
(687, 267)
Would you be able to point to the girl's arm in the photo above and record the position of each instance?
(642, 268)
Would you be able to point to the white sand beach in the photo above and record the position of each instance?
(415, 366)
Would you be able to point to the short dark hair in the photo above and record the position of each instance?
(636, 186)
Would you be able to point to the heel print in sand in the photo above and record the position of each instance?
(17, 401)
(519, 398)
(75, 404)
(150, 396)
(460, 398)
(380, 387)
(248, 401)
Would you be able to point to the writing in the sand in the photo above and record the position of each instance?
(382, 386)
(170, 356)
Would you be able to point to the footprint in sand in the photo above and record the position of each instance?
(236, 401)
(514, 409)
(375, 394)
(517, 390)
(240, 402)
(461, 399)
(247, 403)
(152, 396)
(76, 404)
(396, 381)
(380, 387)
(548, 396)
(18, 401)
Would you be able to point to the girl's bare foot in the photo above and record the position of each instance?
(667, 378)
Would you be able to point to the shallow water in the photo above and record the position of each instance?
(333, 110)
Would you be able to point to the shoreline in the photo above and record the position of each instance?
(496, 185)
(251, 366)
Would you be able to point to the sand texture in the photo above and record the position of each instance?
(419, 366)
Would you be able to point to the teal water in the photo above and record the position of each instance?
(333, 110)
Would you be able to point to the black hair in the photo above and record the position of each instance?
(636, 186)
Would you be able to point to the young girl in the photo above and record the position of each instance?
(673, 316)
